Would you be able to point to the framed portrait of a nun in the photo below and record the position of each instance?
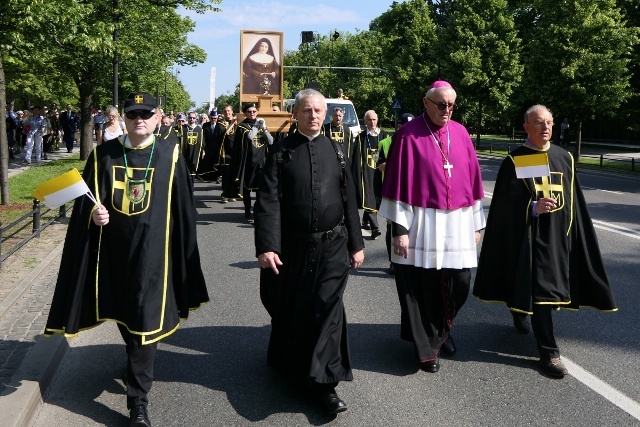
(261, 55)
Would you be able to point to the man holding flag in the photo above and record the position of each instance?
(131, 255)
(540, 250)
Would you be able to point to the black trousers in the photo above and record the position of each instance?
(371, 218)
(68, 139)
(542, 325)
(430, 300)
(140, 360)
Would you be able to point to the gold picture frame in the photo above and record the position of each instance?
(261, 64)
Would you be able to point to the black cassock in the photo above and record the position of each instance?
(212, 137)
(550, 259)
(308, 322)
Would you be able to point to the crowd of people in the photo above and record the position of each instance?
(540, 251)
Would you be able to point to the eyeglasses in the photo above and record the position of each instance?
(112, 116)
(543, 122)
(251, 111)
(193, 118)
(443, 105)
(143, 114)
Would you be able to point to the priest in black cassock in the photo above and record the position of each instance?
(134, 260)
(212, 139)
(364, 164)
(307, 236)
(540, 250)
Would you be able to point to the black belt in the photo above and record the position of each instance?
(324, 235)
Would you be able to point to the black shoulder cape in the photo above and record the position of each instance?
(142, 269)
(550, 259)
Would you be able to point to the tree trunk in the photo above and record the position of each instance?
(4, 143)
(579, 142)
(86, 121)
(479, 123)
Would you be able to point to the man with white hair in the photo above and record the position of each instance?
(540, 250)
(432, 193)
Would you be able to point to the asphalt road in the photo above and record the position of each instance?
(213, 370)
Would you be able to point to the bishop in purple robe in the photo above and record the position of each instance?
(432, 194)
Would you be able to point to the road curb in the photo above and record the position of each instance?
(21, 400)
(23, 396)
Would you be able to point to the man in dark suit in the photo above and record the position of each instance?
(69, 123)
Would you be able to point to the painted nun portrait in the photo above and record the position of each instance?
(260, 63)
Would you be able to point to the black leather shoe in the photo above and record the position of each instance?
(332, 404)
(432, 366)
(366, 227)
(375, 233)
(520, 322)
(553, 366)
(448, 347)
(138, 417)
(391, 270)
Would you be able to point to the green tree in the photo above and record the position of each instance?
(366, 88)
(406, 34)
(481, 51)
(232, 99)
(577, 57)
(26, 25)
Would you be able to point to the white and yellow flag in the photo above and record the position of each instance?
(62, 189)
(532, 166)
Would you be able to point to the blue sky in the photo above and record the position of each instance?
(219, 33)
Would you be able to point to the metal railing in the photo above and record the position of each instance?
(32, 218)
(603, 158)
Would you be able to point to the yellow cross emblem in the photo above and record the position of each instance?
(546, 188)
(138, 99)
(123, 203)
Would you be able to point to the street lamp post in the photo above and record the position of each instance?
(116, 19)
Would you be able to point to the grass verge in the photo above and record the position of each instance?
(21, 186)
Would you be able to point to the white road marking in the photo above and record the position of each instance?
(627, 232)
(605, 191)
(602, 225)
(614, 396)
(619, 399)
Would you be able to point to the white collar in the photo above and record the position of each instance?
(311, 138)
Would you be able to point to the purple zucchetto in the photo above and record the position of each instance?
(439, 83)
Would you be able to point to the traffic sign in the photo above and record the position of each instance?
(396, 104)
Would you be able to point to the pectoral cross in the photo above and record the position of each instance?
(448, 166)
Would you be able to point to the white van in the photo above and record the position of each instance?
(350, 117)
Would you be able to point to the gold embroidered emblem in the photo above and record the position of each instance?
(192, 138)
(257, 141)
(131, 196)
(372, 158)
(337, 136)
(138, 99)
(551, 186)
